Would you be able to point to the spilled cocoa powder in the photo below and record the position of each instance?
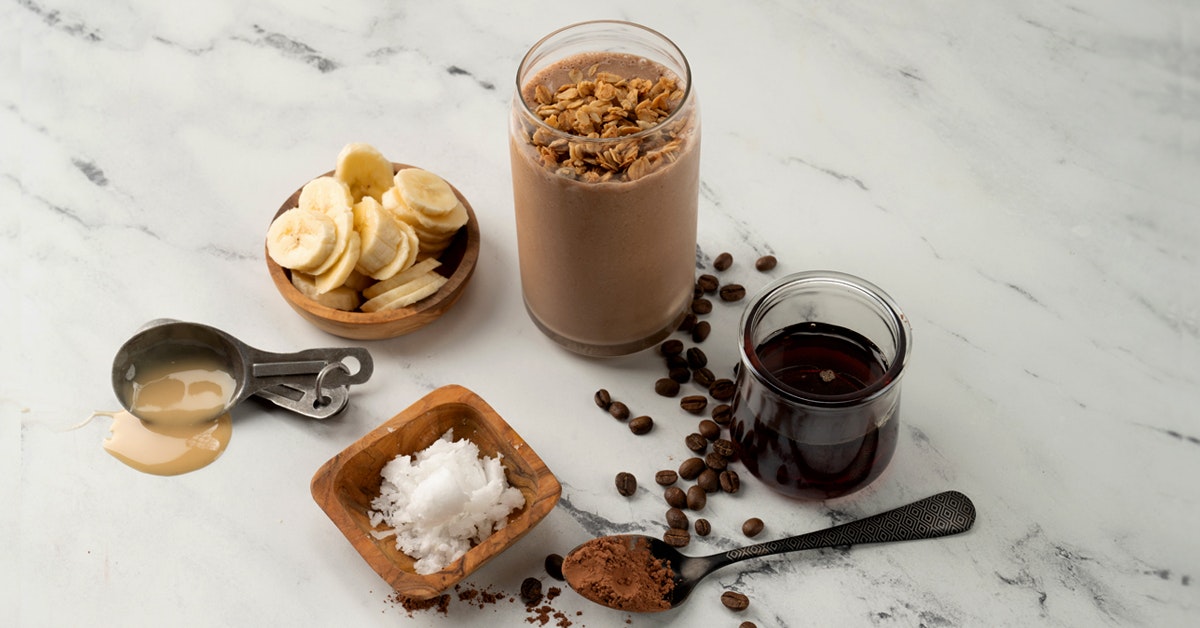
(540, 614)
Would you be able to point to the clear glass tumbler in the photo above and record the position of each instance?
(817, 409)
(605, 148)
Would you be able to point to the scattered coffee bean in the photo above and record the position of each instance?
(694, 403)
(696, 442)
(676, 518)
(701, 331)
(691, 468)
(553, 566)
(618, 410)
(696, 358)
(765, 263)
(735, 601)
(708, 283)
(671, 347)
(677, 537)
(709, 481)
(723, 261)
(703, 377)
(701, 306)
(603, 399)
(716, 461)
(531, 591)
(641, 425)
(680, 374)
(723, 389)
(666, 387)
(722, 414)
(732, 292)
(747, 624)
(702, 527)
(709, 429)
(626, 483)
(675, 497)
(688, 322)
(724, 446)
(752, 527)
(666, 477)
(730, 482)
(697, 292)
(695, 498)
(676, 361)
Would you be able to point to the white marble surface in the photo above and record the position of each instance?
(1021, 176)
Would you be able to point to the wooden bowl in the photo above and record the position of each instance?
(345, 485)
(458, 264)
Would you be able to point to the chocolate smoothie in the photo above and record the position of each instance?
(606, 226)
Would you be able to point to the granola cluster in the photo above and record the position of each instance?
(605, 106)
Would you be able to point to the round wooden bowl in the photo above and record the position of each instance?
(457, 265)
(346, 484)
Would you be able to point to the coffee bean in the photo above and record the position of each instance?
(703, 377)
(694, 403)
(708, 283)
(626, 484)
(666, 387)
(618, 410)
(709, 429)
(688, 322)
(666, 477)
(676, 518)
(701, 331)
(724, 446)
(701, 306)
(670, 347)
(695, 498)
(765, 263)
(732, 292)
(531, 591)
(723, 261)
(680, 374)
(752, 527)
(722, 389)
(702, 527)
(716, 461)
(553, 566)
(675, 497)
(696, 358)
(735, 601)
(722, 414)
(730, 482)
(691, 468)
(697, 292)
(641, 425)
(676, 361)
(708, 480)
(696, 442)
(747, 624)
(603, 399)
(677, 537)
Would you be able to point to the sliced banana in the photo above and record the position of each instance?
(325, 194)
(340, 298)
(381, 236)
(343, 220)
(359, 281)
(414, 271)
(301, 239)
(365, 170)
(425, 192)
(405, 294)
(336, 276)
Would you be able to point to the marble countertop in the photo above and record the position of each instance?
(1020, 176)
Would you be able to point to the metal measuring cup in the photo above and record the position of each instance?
(314, 383)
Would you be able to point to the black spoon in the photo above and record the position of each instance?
(943, 514)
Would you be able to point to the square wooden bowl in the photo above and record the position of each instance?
(345, 485)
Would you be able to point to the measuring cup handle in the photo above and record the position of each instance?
(267, 369)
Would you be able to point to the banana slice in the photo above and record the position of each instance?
(398, 263)
(336, 276)
(301, 239)
(341, 298)
(425, 192)
(381, 236)
(412, 272)
(406, 294)
(325, 194)
(359, 282)
(343, 220)
(365, 170)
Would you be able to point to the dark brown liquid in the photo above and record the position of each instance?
(815, 453)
